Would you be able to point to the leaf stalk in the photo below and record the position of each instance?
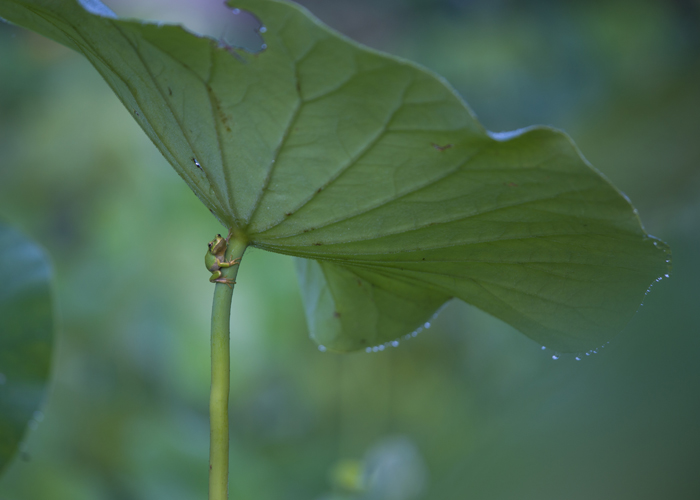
(220, 376)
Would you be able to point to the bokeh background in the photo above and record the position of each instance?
(470, 409)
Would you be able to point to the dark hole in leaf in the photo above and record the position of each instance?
(243, 31)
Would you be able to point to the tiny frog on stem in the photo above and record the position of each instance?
(215, 260)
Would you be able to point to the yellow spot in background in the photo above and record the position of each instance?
(349, 475)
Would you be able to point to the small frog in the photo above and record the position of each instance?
(215, 260)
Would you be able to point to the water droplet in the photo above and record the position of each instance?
(381, 347)
(375, 349)
(588, 354)
(427, 324)
(543, 348)
(414, 334)
(33, 424)
(554, 356)
(667, 275)
(322, 348)
(578, 359)
(263, 46)
(236, 11)
(394, 343)
(262, 29)
(3, 379)
(38, 416)
(369, 349)
(407, 336)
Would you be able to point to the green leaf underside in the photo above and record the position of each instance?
(26, 326)
(320, 148)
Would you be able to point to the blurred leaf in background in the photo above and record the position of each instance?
(489, 414)
(26, 337)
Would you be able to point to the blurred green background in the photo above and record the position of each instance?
(470, 409)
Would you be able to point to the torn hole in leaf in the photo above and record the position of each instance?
(243, 30)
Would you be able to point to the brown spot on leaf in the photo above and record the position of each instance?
(222, 116)
(170, 91)
(441, 148)
(336, 314)
(318, 244)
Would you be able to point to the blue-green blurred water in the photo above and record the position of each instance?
(468, 409)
